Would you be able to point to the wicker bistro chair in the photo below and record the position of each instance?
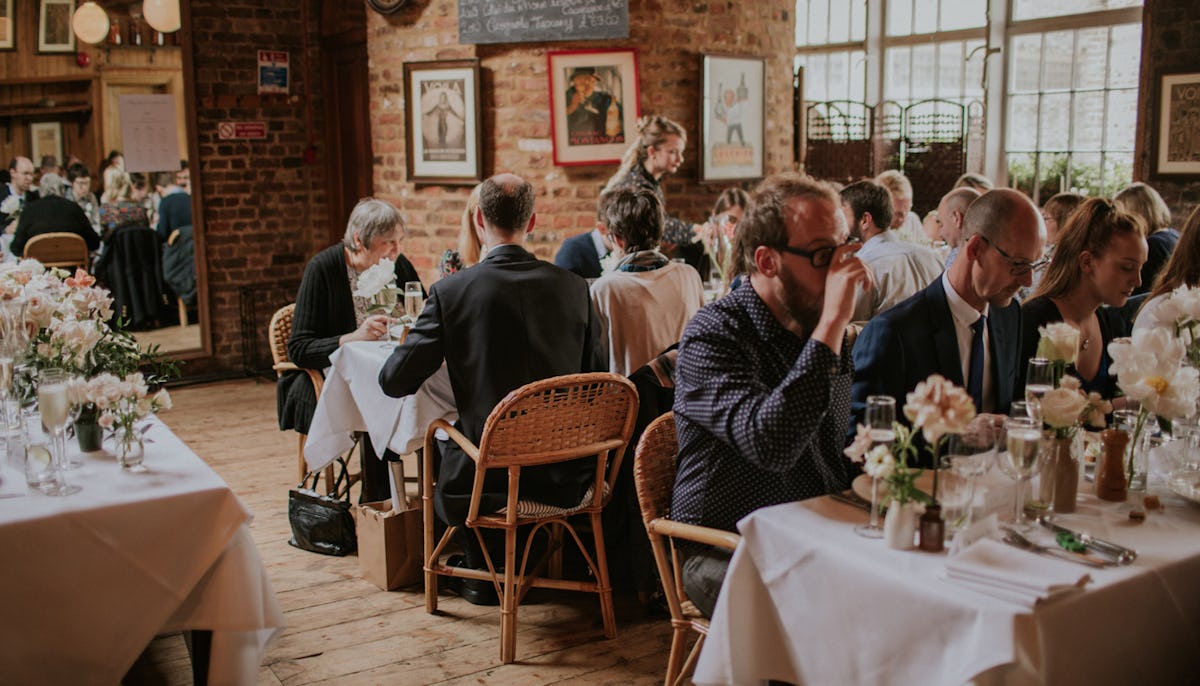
(654, 478)
(58, 249)
(278, 333)
(553, 420)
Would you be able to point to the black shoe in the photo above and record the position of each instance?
(474, 591)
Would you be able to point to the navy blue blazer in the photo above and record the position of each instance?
(578, 254)
(904, 345)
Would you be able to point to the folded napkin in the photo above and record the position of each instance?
(1001, 571)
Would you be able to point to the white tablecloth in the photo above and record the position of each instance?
(90, 579)
(808, 601)
(353, 401)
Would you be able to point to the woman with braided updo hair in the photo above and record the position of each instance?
(657, 150)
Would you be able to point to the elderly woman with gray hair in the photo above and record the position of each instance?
(328, 314)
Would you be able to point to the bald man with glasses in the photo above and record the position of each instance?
(965, 325)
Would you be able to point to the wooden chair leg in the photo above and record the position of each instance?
(508, 602)
(690, 664)
(427, 515)
(182, 312)
(603, 587)
(679, 636)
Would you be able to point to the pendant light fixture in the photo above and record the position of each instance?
(163, 15)
(90, 23)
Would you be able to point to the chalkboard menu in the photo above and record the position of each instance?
(536, 21)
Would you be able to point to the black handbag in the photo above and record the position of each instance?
(322, 523)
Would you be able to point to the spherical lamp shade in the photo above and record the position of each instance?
(163, 15)
(90, 23)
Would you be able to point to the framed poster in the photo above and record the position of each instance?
(8, 26)
(54, 32)
(45, 138)
(1179, 124)
(594, 105)
(732, 118)
(442, 122)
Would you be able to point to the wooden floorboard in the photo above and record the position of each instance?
(343, 630)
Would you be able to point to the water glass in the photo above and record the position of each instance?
(880, 416)
(969, 456)
(37, 456)
(55, 405)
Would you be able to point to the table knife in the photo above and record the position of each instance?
(1120, 554)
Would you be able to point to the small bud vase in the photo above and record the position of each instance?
(130, 451)
(900, 526)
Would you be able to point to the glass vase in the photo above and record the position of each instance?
(130, 451)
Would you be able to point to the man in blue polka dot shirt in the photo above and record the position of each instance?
(763, 381)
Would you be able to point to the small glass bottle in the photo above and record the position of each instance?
(114, 33)
(932, 532)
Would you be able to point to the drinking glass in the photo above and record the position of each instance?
(1039, 380)
(38, 460)
(1023, 409)
(970, 455)
(6, 379)
(414, 301)
(55, 405)
(879, 418)
(1023, 439)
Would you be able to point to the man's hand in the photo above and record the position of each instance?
(846, 274)
(373, 328)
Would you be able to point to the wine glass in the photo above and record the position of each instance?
(56, 414)
(879, 417)
(1023, 438)
(970, 455)
(414, 301)
(1039, 380)
(6, 426)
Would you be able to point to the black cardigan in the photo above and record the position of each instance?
(324, 313)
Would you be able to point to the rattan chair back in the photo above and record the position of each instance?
(278, 333)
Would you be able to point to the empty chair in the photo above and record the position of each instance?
(58, 249)
(554, 420)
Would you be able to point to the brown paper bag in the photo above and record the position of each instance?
(389, 544)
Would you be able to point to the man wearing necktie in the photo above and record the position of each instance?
(966, 324)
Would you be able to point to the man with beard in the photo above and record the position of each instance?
(966, 324)
(762, 394)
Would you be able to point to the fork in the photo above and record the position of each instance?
(1015, 539)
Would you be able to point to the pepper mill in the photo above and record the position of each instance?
(932, 531)
(1110, 466)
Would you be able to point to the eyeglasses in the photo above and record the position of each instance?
(1016, 266)
(819, 258)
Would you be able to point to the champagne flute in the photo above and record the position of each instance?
(1039, 380)
(414, 301)
(56, 409)
(6, 378)
(1023, 438)
(880, 416)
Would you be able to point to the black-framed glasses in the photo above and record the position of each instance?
(1016, 266)
(819, 258)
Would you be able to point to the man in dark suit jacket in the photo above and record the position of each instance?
(175, 208)
(932, 332)
(503, 323)
(20, 172)
(53, 213)
(581, 255)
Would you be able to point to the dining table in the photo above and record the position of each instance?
(352, 400)
(807, 601)
(91, 578)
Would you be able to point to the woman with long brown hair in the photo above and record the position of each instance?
(1183, 269)
(1098, 262)
(1145, 202)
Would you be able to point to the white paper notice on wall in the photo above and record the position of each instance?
(149, 133)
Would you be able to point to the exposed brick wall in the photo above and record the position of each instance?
(1170, 43)
(264, 209)
(516, 109)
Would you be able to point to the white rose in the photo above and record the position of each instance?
(1063, 407)
(1058, 343)
(376, 278)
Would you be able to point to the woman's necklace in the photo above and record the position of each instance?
(1085, 342)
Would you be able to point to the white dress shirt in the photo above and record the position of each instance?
(900, 268)
(964, 316)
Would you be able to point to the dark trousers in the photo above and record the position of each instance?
(703, 574)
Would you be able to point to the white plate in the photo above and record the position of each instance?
(1186, 483)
